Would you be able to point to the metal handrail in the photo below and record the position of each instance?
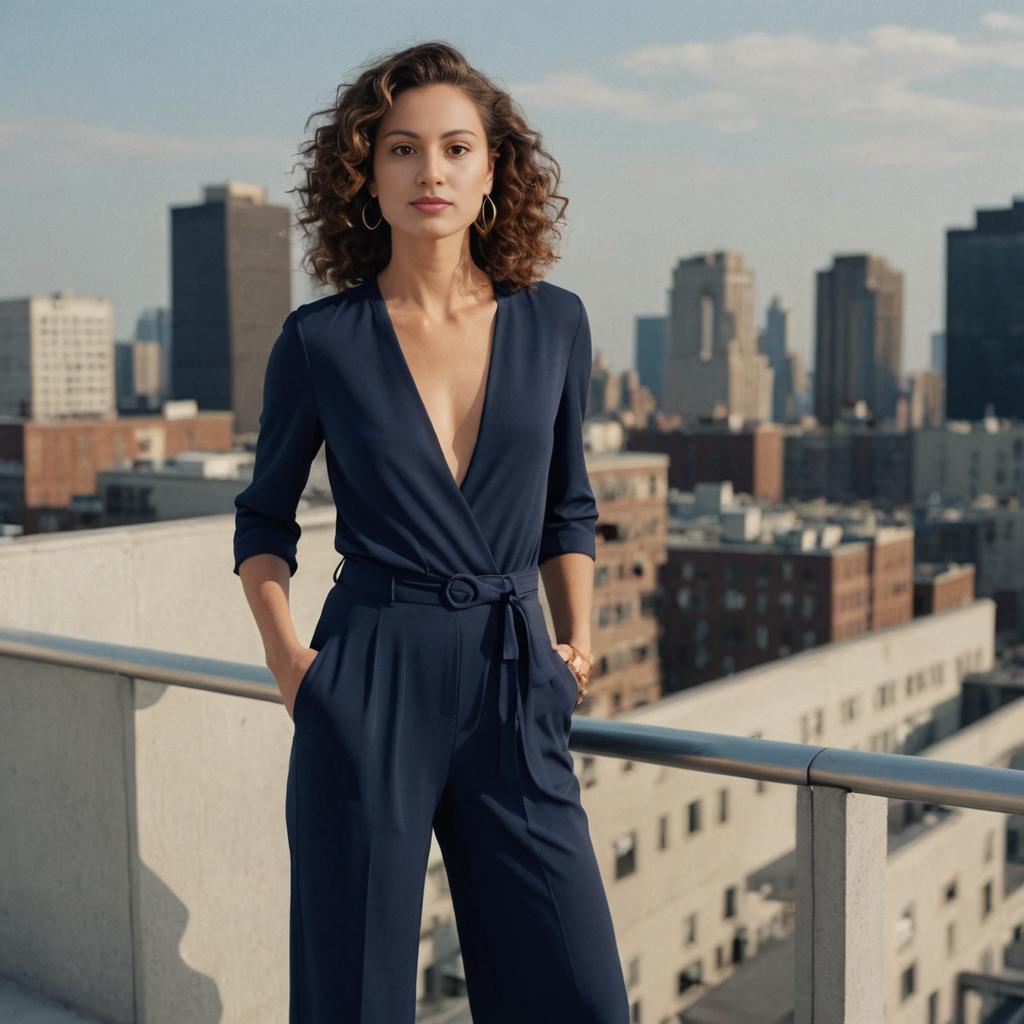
(899, 776)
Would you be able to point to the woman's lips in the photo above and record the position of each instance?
(434, 207)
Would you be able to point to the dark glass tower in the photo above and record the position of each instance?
(859, 337)
(985, 315)
(230, 293)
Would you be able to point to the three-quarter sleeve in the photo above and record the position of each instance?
(570, 515)
(290, 435)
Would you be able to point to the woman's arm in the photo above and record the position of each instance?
(569, 585)
(290, 435)
(568, 545)
(266, 532)
(265, 583)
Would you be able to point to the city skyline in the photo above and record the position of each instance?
(790, 136)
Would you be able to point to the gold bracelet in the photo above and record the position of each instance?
(582, 675)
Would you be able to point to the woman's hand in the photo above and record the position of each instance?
(576, 665)
(289, 673)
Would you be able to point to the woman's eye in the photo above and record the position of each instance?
(405, 145)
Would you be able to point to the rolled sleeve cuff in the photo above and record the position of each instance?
(265, 541)
(566, 537)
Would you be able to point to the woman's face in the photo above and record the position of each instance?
(431, 143)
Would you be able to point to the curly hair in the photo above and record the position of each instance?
(342, 252)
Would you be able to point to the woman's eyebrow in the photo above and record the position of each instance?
(444, 135)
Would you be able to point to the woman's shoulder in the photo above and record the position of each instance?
(323, 318)
(330, 303)
(556, 303)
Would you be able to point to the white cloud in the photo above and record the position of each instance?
(1003, 20)
(892, 87)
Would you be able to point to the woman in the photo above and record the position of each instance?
(449, 387)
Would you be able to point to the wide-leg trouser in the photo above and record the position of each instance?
(412, 719)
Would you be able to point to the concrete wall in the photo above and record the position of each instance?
(143, 855)
(168, 585)
(143, 860)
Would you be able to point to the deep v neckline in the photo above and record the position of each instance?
(417, 398)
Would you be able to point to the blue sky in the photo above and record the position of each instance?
(790, 131)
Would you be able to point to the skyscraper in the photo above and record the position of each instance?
(231, 291)
(155, 325)
(985, 315)
(938, 359)
(651, 350)
(714, 367)
(774, 343)
(859, 337)
(58, 351)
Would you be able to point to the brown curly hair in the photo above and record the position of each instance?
(341, 251)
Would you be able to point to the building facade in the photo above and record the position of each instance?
(714, 366)
(859, 337)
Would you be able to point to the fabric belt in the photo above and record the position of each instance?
(465, 590)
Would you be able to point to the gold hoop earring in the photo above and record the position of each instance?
(494, 216)
(363, 217)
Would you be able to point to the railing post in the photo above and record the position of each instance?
(841, 846)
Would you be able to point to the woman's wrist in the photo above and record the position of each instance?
(282, 655)
(580, 640)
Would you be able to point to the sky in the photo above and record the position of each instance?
(787, 130)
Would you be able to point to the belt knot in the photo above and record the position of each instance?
(464, 589)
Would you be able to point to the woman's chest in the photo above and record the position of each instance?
(384, 409)
(446, 376)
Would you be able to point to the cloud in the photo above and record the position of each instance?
(66, 141)
(1006, 22)
(892, 88)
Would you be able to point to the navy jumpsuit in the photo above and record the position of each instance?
(436, 700)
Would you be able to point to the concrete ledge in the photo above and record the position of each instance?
(19, 1006)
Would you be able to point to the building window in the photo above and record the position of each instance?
(625, 855)
(690, 976)
(907, 983)
(693, 817)
(633, 971)
(905, 926)
(707, 326)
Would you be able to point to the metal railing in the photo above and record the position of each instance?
(841, 809)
